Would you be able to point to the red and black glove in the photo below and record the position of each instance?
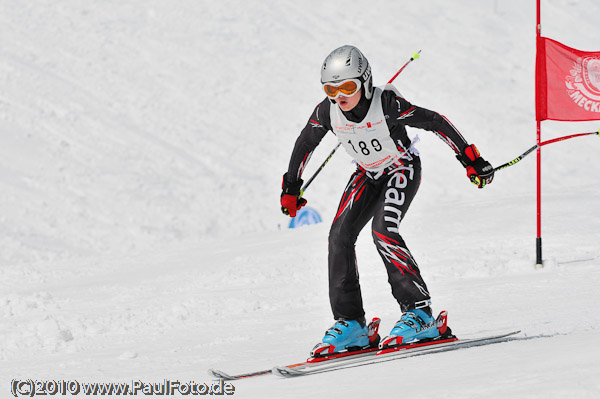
(479, 171)
(291, 196)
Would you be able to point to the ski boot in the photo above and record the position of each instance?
(347, 336)
(417, 325)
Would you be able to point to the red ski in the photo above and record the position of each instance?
(320, 354)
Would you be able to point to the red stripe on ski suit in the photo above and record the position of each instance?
(396, 251)
(358, 190)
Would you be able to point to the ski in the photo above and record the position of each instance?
(297, 366)
(324, 358)
(399, 352)
(315, 359)
(227, 377)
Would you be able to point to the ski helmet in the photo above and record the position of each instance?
(347, 62)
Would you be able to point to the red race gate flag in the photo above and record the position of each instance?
(567, 82)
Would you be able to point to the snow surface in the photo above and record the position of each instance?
(141, 150)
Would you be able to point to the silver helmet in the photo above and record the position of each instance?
(347, 62)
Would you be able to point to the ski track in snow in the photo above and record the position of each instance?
(141, 150)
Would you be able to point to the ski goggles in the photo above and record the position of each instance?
(345, 88)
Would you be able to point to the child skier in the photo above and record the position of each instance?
(370, 124)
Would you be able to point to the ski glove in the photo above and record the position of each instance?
(291, 196)
(479, 171)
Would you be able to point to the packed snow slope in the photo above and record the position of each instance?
(142, 145)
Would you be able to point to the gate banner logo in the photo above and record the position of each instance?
(583, 83)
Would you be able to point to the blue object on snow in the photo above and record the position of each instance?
(304, 217)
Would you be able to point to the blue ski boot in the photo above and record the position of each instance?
(414, 325)
(344, 335)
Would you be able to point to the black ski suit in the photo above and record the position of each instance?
(383, 196)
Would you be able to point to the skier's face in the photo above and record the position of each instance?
(348, 103)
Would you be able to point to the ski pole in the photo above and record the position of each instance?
(535, 147)
(320, 169)
(414, 56)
